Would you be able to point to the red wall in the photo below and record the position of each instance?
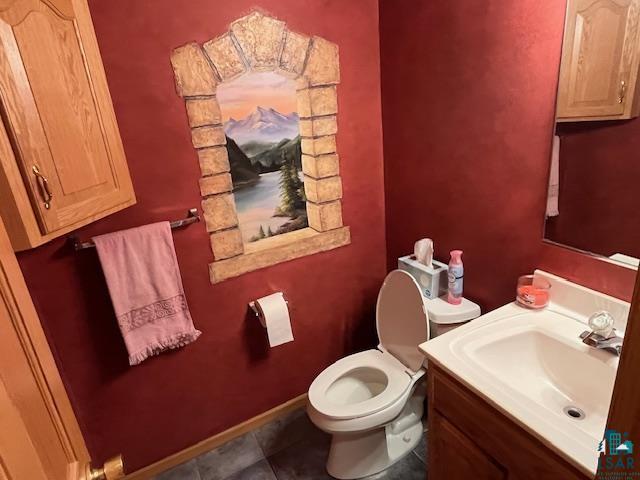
(468, 111)
(599, 173)
(229, 374)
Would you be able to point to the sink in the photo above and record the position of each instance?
(533, 366)
(540, 359)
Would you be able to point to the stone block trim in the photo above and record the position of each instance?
(325, 216)
(258, 42)
(318, 101)
(321, 166)
(225, 57)
(318, 145)
(299, 244)
(227, 244)
(215, 184)
(294, 52)
(323, 67)
(260, 39)
(318, 126)
(202, 137)
(219, 212)
(213, 161)
(192, 71)
(203, 111)
(323, 190)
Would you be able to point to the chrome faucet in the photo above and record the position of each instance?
(602, 335)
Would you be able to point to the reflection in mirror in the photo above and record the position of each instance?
(594, 183)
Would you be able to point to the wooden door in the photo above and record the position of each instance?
(57, 110)
(599, 59)
(39, 435)
(452, 456)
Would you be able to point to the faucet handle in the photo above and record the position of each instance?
(601, 323)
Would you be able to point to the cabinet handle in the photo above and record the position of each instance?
(43, 183)
(623, 91)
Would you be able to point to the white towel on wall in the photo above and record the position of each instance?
(554, 179)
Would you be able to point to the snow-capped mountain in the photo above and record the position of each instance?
(265, 125)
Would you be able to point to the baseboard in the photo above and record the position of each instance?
(210, 443)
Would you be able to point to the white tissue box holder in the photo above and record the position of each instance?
(433, 281)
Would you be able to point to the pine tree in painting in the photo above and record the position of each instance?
(291, 187)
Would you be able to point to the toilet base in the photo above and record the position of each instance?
(360, 454)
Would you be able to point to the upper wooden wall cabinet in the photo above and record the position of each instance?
(62, 164)
(600, 59)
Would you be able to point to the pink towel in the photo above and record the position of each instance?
(143, 277)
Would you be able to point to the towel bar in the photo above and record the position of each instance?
(192, 217)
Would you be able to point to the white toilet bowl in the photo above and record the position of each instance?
(372, 402)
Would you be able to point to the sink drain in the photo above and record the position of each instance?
(574, 412)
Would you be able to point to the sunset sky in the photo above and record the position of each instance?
(241, 96)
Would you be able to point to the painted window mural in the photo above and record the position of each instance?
(263, 142)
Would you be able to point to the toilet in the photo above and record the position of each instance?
(372, 402)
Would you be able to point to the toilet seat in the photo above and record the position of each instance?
(398, 381)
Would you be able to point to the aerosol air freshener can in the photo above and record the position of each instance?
(456, 274)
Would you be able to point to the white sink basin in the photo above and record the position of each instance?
(534, 366)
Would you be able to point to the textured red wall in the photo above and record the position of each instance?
(468, 111)
(229, 374)
(599, 173)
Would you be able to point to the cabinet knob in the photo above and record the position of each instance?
(43, 184)
(623, 91)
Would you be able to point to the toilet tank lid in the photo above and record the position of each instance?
(401, 319)
(442, 312)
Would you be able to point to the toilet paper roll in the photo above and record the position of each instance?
(273, 313)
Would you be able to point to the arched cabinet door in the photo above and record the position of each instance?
(67, 165)
(600, 58)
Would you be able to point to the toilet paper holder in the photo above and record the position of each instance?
(252, 305)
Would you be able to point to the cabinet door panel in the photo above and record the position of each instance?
(452, 456)
(57, 111)
(599, 55)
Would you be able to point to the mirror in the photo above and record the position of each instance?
(593, 202)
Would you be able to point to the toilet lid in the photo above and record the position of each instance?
(401, 319)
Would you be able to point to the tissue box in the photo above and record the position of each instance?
(433, 281)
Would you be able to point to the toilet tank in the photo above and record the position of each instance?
(444, 316)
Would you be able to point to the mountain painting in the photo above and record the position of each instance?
(263, 142)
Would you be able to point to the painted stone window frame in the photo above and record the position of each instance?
(254, 43)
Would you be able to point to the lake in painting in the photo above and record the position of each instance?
(263, 142)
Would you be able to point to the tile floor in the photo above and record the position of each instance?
(289, 448)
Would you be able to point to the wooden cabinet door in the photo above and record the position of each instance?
(57, 110)
(39, 435)
(452, 456)
(599, 59)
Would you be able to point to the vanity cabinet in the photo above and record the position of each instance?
(469, 438)
(62, 164)
(600, 59)
(457, 456)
